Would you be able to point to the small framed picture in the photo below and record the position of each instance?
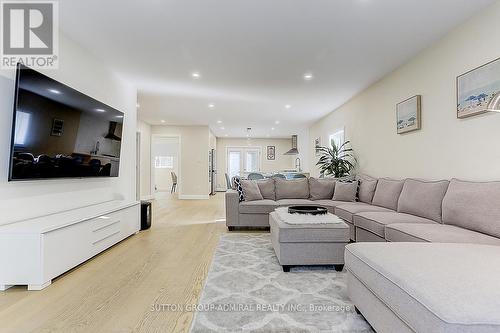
(476, 88)
(317, 144)
(408, 114)
(57, 127)
(271, 153)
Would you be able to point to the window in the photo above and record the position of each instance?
(337, 137)
(22, 126)
(164, 162)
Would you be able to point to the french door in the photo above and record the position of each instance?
(241, 161)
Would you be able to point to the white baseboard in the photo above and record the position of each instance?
(193, 196)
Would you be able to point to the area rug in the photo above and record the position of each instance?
(247, 291)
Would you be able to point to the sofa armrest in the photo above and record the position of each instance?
(232, 208)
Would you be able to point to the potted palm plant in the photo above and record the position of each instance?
(336, 161)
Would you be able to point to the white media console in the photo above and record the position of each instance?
(34, 251)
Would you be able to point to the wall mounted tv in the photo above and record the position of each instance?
(58, 132)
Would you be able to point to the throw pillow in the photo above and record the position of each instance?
(266, 187)
(345, 191)
(251, 190)
(387, 193)
(238, 188)
(321, 188)
(366, 189)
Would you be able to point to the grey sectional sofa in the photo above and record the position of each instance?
(390, 210)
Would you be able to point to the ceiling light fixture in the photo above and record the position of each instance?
(138, 105)
(195, 75)
(162, 121)
(54, 91)
(288, 106)
(308, 76)
(272, 128)
(277, 122)
(225, 135)
(211, 106)
(219, 121)
(222, 128)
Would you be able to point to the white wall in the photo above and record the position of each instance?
(145, 158)
(80, 70)
(193, 173)
(446, 146)
(282, 162)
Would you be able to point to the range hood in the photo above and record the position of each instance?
(294, 150)
(112, 131)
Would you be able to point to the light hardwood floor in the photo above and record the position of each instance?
(115, 291)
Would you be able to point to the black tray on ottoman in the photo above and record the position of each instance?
(311, 210)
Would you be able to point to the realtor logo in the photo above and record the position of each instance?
(29, 34)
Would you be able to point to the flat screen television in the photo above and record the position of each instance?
(59, 132)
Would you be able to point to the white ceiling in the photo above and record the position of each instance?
(252, 54)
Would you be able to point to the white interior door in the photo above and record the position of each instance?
(243, 160)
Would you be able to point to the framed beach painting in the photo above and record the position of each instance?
(408, 114)
(476, 88)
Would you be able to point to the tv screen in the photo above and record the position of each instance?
(58, 132)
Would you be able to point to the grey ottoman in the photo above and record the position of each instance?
(309, 243)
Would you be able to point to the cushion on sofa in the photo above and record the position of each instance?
(321, 188)
(347, 210)
(292, 189)
(376, 222)
(473, 205)
(345, 191)
(251, 190)
(387, 193)
(436, 233)
(423, 198)
(294, 202)
(266, 187)
(257, 207)
(366, 188)
(425, 284)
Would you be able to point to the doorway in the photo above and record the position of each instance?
(242, 160)
(165, 165)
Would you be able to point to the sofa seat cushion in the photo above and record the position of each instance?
(347, 210)
(258, 206)
(436, 233)
(426, 286)
(375, 222)
(294, 202)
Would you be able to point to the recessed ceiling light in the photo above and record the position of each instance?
(100, 110)
(267, 135)
(219, 121)
(138, 105)
(288, 106)
(195, 75)
(211, 106)
(308, 76)
(222, 128)
(277, 122)
(225, 135)
(119, 116)
(162, 121)
(54, 91)
(272, 128)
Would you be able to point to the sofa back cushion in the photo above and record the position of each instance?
(266, 187)
(387, 193)
(292, 189)
(366, 188)
(321, 188)
(251, 190)
(345, 191)
(474, 206)
(423, 198)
